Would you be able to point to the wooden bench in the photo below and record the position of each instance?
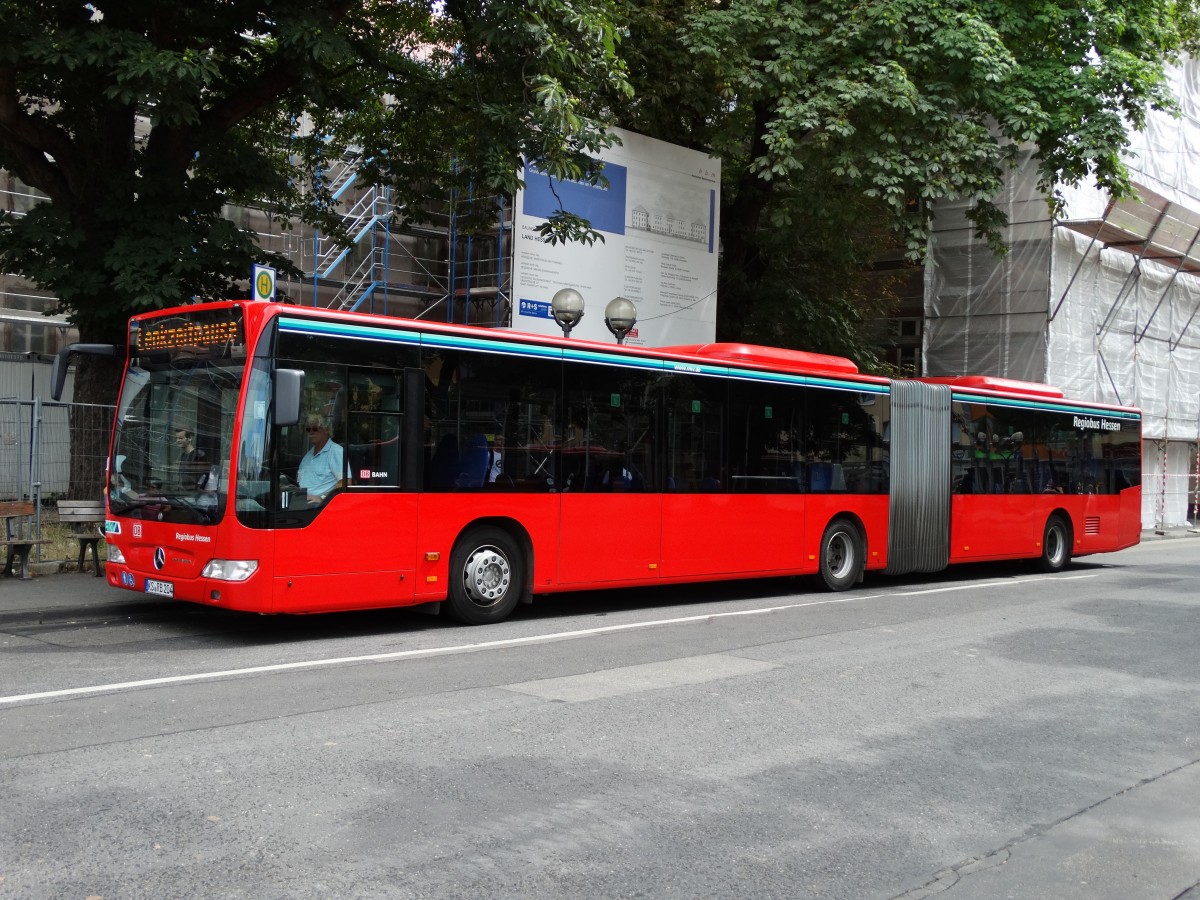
(18, 535)
(86, 519)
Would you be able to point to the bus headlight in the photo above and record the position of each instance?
(113, 554)
(230, 569)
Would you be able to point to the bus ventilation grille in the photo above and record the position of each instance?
(1091, 525)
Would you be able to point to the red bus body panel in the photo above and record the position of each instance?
(340, 566)
(998, 526)
(599, 541)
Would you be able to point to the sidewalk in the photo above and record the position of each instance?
(1171, 531)
(54, 566)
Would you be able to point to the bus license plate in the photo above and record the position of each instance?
(162, 588)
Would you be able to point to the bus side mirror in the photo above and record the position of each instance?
(58, 371)
(288, 387)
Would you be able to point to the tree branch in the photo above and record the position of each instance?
(28, 144)
(173, 147)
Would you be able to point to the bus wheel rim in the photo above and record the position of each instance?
(1054, 545)
(838, 555)
(486, 576)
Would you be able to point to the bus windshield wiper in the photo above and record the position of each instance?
(205, 513)
(124, 506)
(165, 502)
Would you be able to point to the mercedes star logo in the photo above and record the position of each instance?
(160, 557)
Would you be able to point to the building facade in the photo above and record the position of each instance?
(1102, 301)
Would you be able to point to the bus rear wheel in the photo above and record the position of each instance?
(842, 555)
(487, 574)
(1056, 545)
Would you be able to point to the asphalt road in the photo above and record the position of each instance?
(987, 733)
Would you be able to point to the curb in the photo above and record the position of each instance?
(54, 567)
(1168, 534)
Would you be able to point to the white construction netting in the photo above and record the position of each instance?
(1100, 302)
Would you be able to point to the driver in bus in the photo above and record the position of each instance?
(320, 470)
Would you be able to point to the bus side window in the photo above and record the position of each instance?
(323, 412)
(696, 415)
(608, 443)
(374, 429)
(373, 451)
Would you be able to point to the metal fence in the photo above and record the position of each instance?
(52, 451)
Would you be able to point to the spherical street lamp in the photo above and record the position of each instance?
(620, 316)
(567, 308)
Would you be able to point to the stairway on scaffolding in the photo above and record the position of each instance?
(361, 221)
(430, 282)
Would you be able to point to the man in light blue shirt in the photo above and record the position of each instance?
(321, 468)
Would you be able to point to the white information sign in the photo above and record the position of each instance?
(660, 219)
(263, 283)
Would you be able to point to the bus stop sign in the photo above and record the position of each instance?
(264, 283)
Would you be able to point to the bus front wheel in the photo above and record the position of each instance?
(1056, 545)
(486, 576)
(842, 555)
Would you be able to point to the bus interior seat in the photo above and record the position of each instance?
(475, 462)
(443, 467)
(825, 477)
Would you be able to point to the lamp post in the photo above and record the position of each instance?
(620, 316)
(567, 308)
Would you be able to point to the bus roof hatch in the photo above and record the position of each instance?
(772, 357)
(1000, 385)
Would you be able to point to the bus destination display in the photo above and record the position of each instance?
(199, 332)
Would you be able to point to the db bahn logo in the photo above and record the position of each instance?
(160, 557)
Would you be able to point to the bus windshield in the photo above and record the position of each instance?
(174, 431)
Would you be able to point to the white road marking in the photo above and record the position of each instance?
(495, 645)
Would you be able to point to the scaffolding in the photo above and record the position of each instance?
(1102, 301)
(416, 263)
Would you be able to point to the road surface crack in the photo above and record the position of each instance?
(945, 879)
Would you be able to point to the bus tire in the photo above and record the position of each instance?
(487, 575)
(1056, 544)
(842, 556)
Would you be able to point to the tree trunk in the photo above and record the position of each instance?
(97, 380)
(742, 262)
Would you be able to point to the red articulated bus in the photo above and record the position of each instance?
(282, 459)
